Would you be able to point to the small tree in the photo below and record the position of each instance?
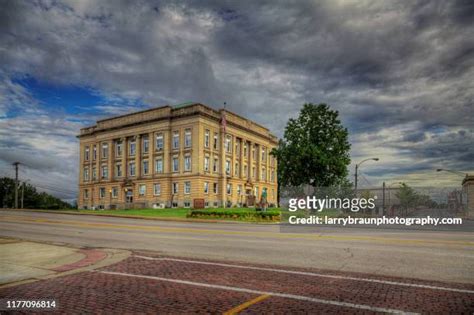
(407, 196)
(314, 150)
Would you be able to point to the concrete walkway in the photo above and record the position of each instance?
(30, 261)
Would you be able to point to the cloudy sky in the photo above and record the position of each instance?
(401, 74)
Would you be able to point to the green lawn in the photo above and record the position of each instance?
(164, 213)
(170, 213)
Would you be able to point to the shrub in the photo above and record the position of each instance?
(236, 215)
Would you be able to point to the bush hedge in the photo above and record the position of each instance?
(250, 215)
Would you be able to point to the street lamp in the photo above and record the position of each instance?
(357, 169)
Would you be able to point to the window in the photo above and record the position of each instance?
(174, 204)
(146, 144)
(239, 190)
(105, 171)
(86, 174)
(118, 170)
(187, 188)
(86, 153)
(216, 140)
(227, 167)
(214, 188)
(245, 170)
(206, 187)
(175, 188)
(264, 174)
(131, 169)
(156, 189)
(159, 142)
(237, 147)
(159, 165)
(118, 148)
(115, 191)
(142, 190)
(272, 176)
(145, 167)
(94, 153)
(132, 148)
(229, 189)
(206, 138)
(187, 163)
(215, 167)
(228, 144)
(187, 138)
(94, 173)
(256, 191)
(254, 172)
(105, 150)
(86, 193)
(102, 192)
(206, 163)
(264, 156)
(187, 204)
(245, 149)
(175, 164)
(254, 155)
(176, 140)
(236, 169)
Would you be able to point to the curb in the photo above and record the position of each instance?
(143, 217)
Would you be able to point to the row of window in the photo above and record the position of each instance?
(159, 142)
(104, 169)
(132, 145)
(114, 191)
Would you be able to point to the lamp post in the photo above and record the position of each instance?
(357, 170)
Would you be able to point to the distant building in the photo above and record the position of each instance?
(174, 156)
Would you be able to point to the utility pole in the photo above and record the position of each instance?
(16, 183)
(22, 193)
(383, 198)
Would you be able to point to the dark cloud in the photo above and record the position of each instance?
(393, 69)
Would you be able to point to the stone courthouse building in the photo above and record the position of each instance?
(183, 156)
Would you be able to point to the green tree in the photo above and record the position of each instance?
(314, 150)
(32, 199)
(408, 197)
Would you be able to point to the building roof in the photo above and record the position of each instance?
(107, 123)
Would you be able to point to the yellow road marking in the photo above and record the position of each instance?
(245, 305)
(243, 233)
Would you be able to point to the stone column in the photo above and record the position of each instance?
(97, 161)
(124, 156)
(151, 154)
(111, 160)
(259, 163)
(138, 155)
(222, 157)
(250, 162)
(241, 165)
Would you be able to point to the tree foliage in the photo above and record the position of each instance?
(314, 150)
(32, 198)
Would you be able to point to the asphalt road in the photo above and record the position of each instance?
(430, 255)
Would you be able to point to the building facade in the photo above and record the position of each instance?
(174, 157)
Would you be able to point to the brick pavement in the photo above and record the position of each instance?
(95, 292)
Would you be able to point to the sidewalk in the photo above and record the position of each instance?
(24, 261)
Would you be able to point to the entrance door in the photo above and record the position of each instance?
(250, 198)
(129, 196)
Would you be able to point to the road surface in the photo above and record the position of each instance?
(217, 267)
